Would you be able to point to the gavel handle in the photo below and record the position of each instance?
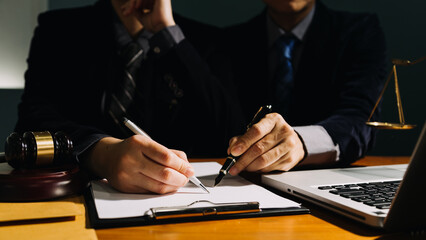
(2, 157)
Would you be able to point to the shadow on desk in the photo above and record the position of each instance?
(349, 224)
(340, 221)
(321, 213)
(346, 224)
(334, 218)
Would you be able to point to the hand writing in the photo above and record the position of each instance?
(140, 165)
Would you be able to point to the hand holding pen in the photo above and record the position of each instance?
(232, 159)
(138, 164)
(269, 144)
(136, 130)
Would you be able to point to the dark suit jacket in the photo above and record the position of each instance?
(73, 61)
(338, 79)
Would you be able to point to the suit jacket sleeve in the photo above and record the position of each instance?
(71, 61)
(48, 94)
(361, 77)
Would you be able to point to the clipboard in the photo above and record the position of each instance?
(185, 206)
(222, 211)
(191, 210)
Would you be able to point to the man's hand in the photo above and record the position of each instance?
(139, 165)
(154, 15)
(269, 145)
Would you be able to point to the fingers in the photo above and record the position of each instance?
(266, 159)
(139, 183)
(180, 154)
(137, 7)
(269, 145)
(168, 158)
(128, 7)
(242, 143)
(232, 142)
(165, 170)
(144, 6)
(260, 138)
(154, 15)
(281, 157)
(142, 165)
(163, 173)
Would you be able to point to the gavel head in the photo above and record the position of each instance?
(38, 149)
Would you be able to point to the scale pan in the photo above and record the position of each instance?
(386, 125)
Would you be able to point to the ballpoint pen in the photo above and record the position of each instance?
(231, 160)
(137, 130)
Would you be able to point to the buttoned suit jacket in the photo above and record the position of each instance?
(337, 81)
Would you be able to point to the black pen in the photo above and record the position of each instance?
(231, 160)
(137, 130)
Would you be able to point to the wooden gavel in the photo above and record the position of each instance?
(43, 168)
(37, 150)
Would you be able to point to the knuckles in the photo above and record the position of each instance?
(276, 118)
(181, 154)
(291, 142)
(162, 189)
(232, 140)
(167, 158)
(134, 140)
(257, 129)
(166, 175)
(258, 148)
(262, 161)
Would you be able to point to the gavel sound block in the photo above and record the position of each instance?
(39, 166)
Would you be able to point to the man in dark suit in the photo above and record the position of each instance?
(75, 73)
(338, 65)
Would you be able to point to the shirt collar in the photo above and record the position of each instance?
(299, 31)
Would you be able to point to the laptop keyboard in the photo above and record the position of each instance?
(375, 194)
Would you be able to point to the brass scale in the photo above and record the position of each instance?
(402, 124)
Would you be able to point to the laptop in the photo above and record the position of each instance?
(392, 197)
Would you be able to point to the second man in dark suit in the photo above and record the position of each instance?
(321, 69)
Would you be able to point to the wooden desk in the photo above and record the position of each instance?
(320, 224)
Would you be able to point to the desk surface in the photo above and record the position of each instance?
(320, 224)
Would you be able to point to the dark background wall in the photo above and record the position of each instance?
(403, 22)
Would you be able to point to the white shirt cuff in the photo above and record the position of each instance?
(319, 146)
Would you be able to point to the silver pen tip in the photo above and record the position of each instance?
(205, 189)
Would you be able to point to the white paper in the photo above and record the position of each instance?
(113, 204)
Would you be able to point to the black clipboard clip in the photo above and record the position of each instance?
(208, 208)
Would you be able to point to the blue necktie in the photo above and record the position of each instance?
(284, 73)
